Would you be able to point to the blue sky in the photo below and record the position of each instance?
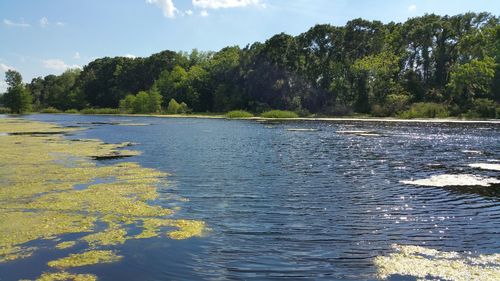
(41, 37)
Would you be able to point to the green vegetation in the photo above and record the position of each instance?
(175, 108)
(425, 110)
(64, 276)
(86, 258)
(484, 108)
(364, 67)
(279, 114)
(17, 97)
(100, 111)
(50, 109)
(143, 102)
(71, 111)
(239, 114)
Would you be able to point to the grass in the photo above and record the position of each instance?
(74, 111)
(239, 114)
(279, 114)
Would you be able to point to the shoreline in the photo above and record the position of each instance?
(326, 119)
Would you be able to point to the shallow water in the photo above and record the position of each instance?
(306, 204)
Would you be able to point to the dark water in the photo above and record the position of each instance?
(303, 205)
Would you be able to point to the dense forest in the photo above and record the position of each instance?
(448, 65)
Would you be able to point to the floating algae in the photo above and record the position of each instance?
(431, 264)
(19, 227)
(86, 258)
(64, 276)
(185, 228)
(302, 130)
(133, 124)
(111, 236)
(38, 198)
(66, 244)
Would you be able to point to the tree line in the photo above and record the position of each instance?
(448, 64)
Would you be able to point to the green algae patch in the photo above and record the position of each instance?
(17, 126)
(19, 227)
(111, 236)
(426, 263)
(66, 244)
(66, 276)
(51, 186)
(14, 253)
(187, 229)
(86, 258)
(184, 229)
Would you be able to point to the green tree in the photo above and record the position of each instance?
(172, 84)
(381, 70)
(173, 107)
(127, 104)
(141, 102)
(17, 97)
(472, 80)
(154, 101)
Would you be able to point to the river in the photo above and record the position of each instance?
(319, 203)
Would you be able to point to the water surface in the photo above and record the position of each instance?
(314, 205)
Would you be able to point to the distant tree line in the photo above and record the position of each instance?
(451, 63)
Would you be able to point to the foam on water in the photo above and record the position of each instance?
(453, 180)
(486, 166)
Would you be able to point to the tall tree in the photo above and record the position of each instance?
(17, 97)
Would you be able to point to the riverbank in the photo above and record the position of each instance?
(328, 119)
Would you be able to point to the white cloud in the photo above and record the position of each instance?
(218, 4)
(167, 7)
(3, 86)
(204, 13)
(58, 65)
(16, 24)
(189, 12)
(412, 8)
(4, 67)
(44, 22)
(60, 23)
(130, 56)
(77, 56)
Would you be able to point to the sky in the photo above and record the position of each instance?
(41, 37)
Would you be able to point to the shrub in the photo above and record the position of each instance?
(425, 110)
(100, 111)
(184, 108)
(279, 114)
(393, 105)
(173, 107)
(4, 110)
(73, 111)
(239, 114)
(50, 109)
(483, 108)
(127, 104)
